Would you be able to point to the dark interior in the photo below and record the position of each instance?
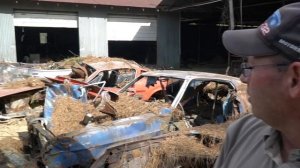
(140, 51)
(61, 43)
(204, 21)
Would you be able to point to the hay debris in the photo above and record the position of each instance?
(69, 62)
(183, 151)
(68, 114)
(28, 82)
(128, 106)
(214, 130)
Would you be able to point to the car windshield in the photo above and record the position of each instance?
(115, 78)
(151, 88)
(208, 101)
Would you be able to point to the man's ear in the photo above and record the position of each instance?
(294, 79)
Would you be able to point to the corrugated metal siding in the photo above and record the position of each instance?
(7, 38)
(92, 36)
(129, 3)
(131, 28)
(168, 40)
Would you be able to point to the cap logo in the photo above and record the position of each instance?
(275, 19)
(272, 22)
(265, 28)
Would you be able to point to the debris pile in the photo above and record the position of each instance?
(69, 62)
(14, 137)
(68, 114)
(184, 150)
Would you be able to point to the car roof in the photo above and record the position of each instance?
(193, 75)
(109, 65)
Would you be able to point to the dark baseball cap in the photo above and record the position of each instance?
(280, 33)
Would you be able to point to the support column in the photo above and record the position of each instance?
(168, 40)
(8, 51)
(92, 35)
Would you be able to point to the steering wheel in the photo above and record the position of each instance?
(169, 98)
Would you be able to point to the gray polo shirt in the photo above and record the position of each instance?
(250, 143)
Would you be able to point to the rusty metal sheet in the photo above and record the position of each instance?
(7, 92)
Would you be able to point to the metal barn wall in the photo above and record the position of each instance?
(7, 36)
(131, 28)
(92, 29)
(91, 25)
(168, 40)
(92, 34)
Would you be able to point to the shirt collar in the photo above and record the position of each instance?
(272, 142)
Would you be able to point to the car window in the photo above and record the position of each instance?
(99, 77)
(152, 88)
(89, 69)
(115, 78)
(206, 101)
(125, 76)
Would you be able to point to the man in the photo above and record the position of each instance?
(271, 136)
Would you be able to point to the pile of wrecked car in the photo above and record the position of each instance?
(120, 114)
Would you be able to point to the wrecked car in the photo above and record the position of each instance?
(192, 91)
(16, 93)
(116, 73)
(112, 74)
(194, 98)
(195, 147)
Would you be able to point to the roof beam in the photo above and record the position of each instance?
(193, 5)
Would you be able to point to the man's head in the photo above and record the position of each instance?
(272, 71)
(278, 34)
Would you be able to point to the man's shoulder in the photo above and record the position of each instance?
(248, 125)
(249, 121)
(244, 143)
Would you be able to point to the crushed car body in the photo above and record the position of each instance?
(195, 99)
(189, 89)
(84, 146)
(115, 73)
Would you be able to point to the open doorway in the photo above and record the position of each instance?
(42, 44)
(143, 52)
